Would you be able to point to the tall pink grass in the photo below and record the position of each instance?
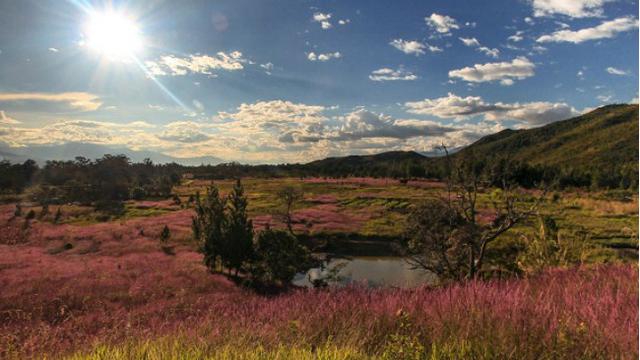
(62, 303)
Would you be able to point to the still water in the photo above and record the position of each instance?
(369, 271)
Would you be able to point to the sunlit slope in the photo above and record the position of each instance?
(603, 137)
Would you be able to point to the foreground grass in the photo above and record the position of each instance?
(151, 306)
(409, 350)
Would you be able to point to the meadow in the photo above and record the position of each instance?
(89, 287)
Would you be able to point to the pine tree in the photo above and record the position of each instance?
(208, 225)
(238, 232)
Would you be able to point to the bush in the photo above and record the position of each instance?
(165, 234)
(137, 193)
(279, 257)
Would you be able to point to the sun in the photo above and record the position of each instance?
(114, 35)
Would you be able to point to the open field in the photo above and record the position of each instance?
(106, 289)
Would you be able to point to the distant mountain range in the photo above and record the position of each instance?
(42, 153)
(602, 137)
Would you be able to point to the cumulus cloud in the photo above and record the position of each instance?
(312, 56)
(571, 8)
(81, 101)
(133, 134)
(184, 132)
(412, 47)
(605, 30)
(615, 71)
(460, 108)
(272, 114)
(386, 74)
(441, 23)
(196, 64)
(323, 20)
(362, 124)
(505, 72)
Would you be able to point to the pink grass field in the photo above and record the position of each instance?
(116, 285)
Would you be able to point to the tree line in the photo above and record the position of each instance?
(114, 178)
(105, 182)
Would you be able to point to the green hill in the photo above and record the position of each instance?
(607, 136)
(599, 147)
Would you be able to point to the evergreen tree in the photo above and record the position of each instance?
(238, 232)
(208, 225)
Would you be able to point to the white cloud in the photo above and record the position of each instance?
(433, 48)
(518, 69)
(196, 64)
(605, 98)
(441, 23)
(323, 57)
(494, 53)
(133, 134)
(362, 124)
(77, 100)
(184, 132)
(516, 37)
(615, 71)
(473, 42)
(268, 67)
(529, 20)
(386, 74)
(52, 49)
(571, 8)
(6, 120)
(605, 30)
(344, 21)
(271, 114)
(459, 108)
(323, 19)
(409, 46)
(470, 41)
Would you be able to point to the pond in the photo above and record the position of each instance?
(371, 271)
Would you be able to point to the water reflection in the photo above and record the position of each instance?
(370, 271)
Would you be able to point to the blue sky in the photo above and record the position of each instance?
(284, 81)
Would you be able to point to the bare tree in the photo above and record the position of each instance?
(289, 196)
(446, 236)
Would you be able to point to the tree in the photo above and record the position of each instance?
(279, 257)
(207, 226)
(165, 234)
(547, 247)
(447, 237)
(238, 231)
(289, 196)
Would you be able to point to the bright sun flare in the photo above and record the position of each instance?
(114, 35)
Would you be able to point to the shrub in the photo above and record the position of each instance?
(58, 216)
(18, 210)
(279, 257)
(165, 234)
